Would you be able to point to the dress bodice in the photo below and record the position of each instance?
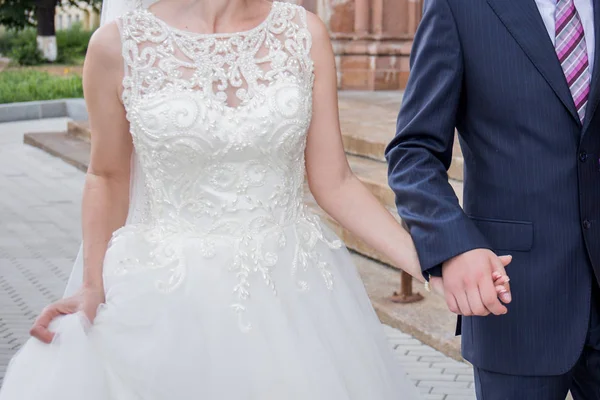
(219, 125)
(219, 121)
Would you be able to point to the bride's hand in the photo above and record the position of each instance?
(86, 300)
(500, 278)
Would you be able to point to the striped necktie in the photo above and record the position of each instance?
(572, 53)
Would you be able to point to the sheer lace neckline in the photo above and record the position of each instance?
(229, 71)
(262, 25)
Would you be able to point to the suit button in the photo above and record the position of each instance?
(583, 156)
(587, 224)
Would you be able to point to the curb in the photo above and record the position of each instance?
(32, 110)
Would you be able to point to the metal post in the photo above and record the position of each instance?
(406, 294)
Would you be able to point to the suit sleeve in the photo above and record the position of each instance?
(421, 152)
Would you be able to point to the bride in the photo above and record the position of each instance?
(204, 275)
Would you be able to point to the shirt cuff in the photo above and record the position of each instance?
(435, 271)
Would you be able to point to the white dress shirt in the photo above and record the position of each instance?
(585, 8)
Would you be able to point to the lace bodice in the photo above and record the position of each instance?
(219, 121)
(219, 125)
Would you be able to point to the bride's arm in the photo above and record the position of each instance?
(106, 191)
(333, 184)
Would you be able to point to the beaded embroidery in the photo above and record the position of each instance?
(219, 124)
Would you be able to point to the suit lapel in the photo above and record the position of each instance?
(595, 82)
(523, 20)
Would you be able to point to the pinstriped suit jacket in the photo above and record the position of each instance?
(532, 174)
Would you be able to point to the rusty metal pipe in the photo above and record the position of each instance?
(406, 294)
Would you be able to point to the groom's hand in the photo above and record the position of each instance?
(469, 283)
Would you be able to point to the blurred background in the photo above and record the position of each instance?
(43, 43)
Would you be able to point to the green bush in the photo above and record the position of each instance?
(6, 38)
(21, 46)
(23, 49)
(31, 85)
(72, 44)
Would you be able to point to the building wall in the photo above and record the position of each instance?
(67, 16)
(372, 39)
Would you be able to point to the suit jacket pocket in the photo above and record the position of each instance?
(506, 235)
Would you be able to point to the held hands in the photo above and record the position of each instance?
(475, 283)
(87, 301)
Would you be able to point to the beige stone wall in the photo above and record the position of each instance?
(67, 16)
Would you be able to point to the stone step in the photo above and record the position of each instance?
(70, 148)
(80, 129)
(456, 170)
(352, 241)
(373, 174)
(369, 124)
(372, 146)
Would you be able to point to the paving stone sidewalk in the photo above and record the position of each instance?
(39, 237)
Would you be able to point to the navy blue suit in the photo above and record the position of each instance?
(531, 181)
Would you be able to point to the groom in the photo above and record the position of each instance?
(520, 81)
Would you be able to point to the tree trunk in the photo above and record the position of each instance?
(46, 31)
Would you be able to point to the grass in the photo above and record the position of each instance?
(30, 85)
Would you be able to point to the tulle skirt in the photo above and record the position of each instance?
(303, 331)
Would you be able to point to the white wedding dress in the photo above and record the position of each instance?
(222, 285)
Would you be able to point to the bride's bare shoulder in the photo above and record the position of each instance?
(317, 28)
(105, 46)
(321, 48)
